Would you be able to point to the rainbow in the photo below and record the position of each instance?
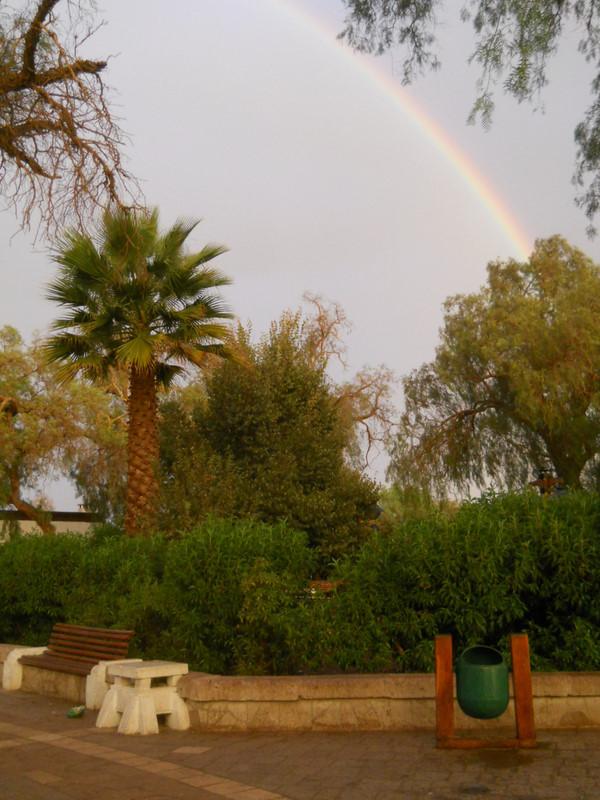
(461, 163)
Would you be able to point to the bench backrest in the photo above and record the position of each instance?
(92, 645)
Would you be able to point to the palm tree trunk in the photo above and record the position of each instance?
(142, 454)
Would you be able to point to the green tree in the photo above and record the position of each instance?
(135, 300)
(514, 42)
(514, 384)
(60, 148)
(46, 430)
(268, 440)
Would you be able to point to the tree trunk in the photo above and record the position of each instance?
(567, 464)
(142, 454)
(37, 515)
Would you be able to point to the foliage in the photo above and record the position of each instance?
(401, 504)
(60, 148)
(136, 302)
(186, 599)
(513, 45)
(232, 596)
(47, 430)
(267, 441)
(213, 581)
(514, 384)
(499, 565)
(36, 576)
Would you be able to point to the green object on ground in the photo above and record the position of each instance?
(76, 711)
(482, 682)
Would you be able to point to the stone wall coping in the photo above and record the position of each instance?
(203, 687)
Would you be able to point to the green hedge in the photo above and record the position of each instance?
(184, 598)
(231, 596)
(499, 565)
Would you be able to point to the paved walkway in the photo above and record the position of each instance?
(45, 756)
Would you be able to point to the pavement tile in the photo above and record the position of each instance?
(6, 743)
(39, 776)
(256, 794)
(226, 788)
(201, 779)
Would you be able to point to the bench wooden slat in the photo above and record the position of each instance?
(76, 649)
(87, 644)
(93, 655)
(59, 665)
(113, 642)
(82, 630)
(83, 652)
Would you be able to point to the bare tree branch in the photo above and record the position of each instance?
(60, 147)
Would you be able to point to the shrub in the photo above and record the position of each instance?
(231, 595)
(210, 592)
(497, 566)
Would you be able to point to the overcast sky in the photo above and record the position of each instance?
(249, 114)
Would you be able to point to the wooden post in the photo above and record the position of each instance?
(523, 692)
(444, 688)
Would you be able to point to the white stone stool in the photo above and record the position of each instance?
(133, 703)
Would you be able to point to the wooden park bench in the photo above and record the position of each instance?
(76, 649)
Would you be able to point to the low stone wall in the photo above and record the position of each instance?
(341, 702)
(369, 702)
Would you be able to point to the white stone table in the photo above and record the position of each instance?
(134, 701)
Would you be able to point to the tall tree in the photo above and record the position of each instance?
(60, 148)
(135, 300)
(268, 439)
(46, 430)
(513, 43)
(514, 384)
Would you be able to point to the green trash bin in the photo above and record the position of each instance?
(482, 682)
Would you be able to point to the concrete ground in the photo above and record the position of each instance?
(46, 756)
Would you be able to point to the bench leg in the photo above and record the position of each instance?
(12, 674)
(139, 715)
(179, 718)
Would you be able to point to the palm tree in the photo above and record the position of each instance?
(136, 301)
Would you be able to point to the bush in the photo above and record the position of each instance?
(191, 599)
(497, 566)
(231, 596)
(210, 593)
(37, 575)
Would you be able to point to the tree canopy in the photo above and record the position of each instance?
(47, 430)
(60, 147)
(267, 438)
(514, 384)
(514, 41)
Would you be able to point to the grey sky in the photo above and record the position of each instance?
(241, 113)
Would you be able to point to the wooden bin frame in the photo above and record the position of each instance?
(522, 689)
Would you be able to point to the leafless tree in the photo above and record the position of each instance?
(60, 147)
(366, 401)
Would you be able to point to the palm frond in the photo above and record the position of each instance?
(137, 351)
